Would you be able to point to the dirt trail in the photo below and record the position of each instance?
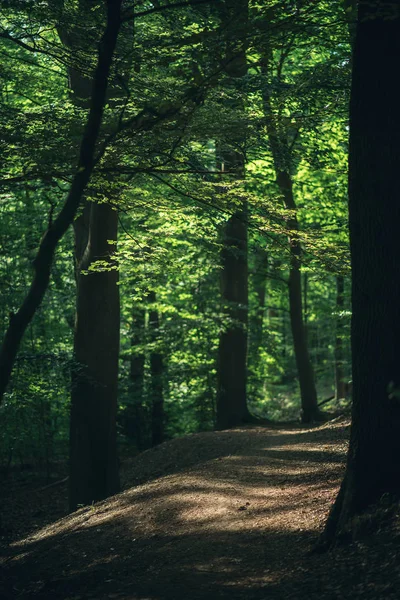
(213, 515)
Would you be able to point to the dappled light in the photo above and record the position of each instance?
(234, 518)
(200, 287)
(232, 514)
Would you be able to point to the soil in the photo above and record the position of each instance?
(231, 514)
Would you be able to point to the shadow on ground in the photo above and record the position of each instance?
(217, 515)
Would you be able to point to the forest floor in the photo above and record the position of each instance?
(225, 515)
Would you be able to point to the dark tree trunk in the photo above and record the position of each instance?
(305, 304)
(134, 414)
(309, 402)
(282, 163)
(157, 375)
(373, 463)
(93, 450)
(57, 228)
(232, 351)
(340, 384)
(93, 447)
(256, 318)
(137, 359)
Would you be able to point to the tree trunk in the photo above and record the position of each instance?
(256, 319)
(134, 415)
(93, 445)
(309, 402)
(156, 373)
(340, 383)
(373, 462)
(232, 351)
(57, 228)
(93, 439)
(305, 304)
(282, 160)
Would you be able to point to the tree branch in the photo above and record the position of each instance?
(44, 257)
(158, 9)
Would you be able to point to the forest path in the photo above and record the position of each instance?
(229, 514)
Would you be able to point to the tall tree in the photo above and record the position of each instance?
(133, 416)
(258, 278)
(93, 443)
(281, 153)
(156, 374)
(57, 227)
(373, 462)
(232, 407)
(93, 436)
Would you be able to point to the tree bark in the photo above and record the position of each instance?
(156, 373)
(93, 440)
(373, 462)
(256, 319)
(309, 401)
(134, 414)
(232, 351)
(305, 304)
(57, 228)
(93, 445)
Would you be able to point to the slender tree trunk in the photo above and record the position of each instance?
(57, 228)
(93, 447)
(134, 412)
(373, 462)
(305, 304)
(284, 328)
(339, 353)
(309, 402)
(256, 318)
(137, 360)
(281, 156)
(156, 373)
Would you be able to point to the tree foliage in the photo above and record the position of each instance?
(174, 104)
